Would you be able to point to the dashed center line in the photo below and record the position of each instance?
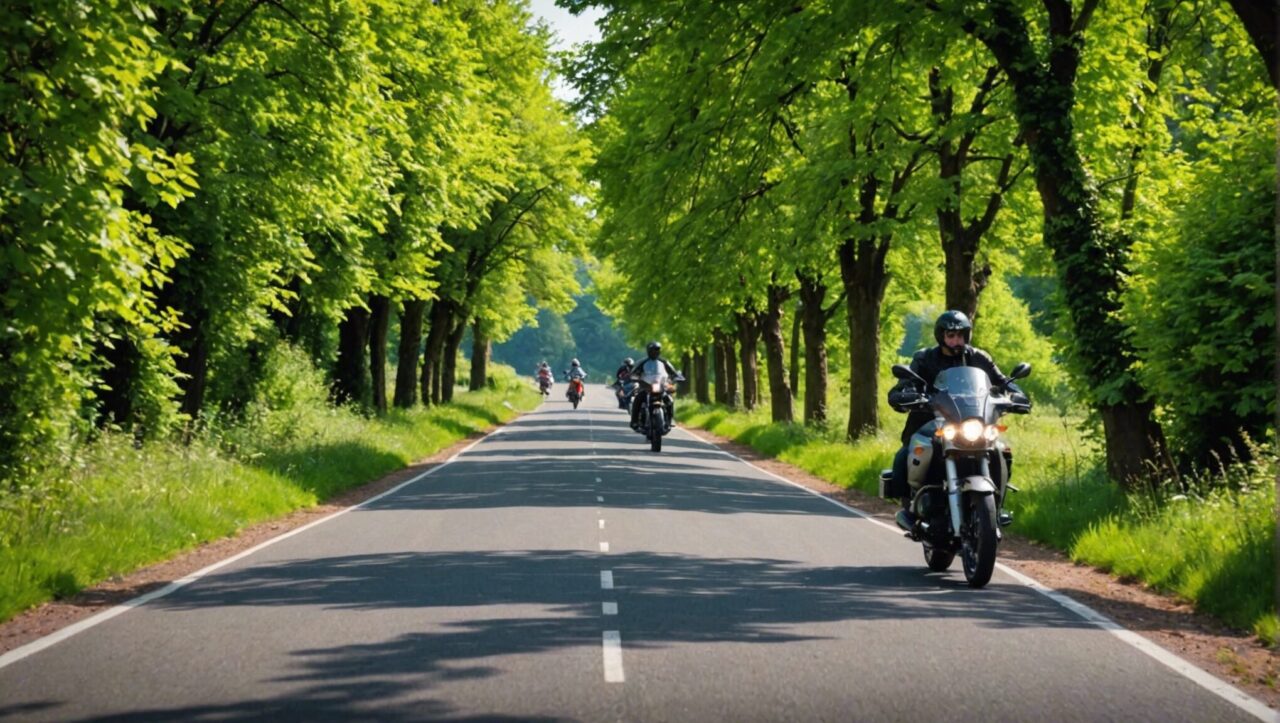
(609, 608)
(613, 657)
(602, 524)
(599, 498)
(606, 579)
(604, 547)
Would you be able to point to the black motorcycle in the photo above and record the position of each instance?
(657, 402)
(958, 504)
(623, 389)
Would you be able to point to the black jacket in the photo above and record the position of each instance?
(928, 363)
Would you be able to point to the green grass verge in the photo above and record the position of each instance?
(123, 508)
(1215, 549)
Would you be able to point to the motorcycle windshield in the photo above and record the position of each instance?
(963, 392)
(653, 372)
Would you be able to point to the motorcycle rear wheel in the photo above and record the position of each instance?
(978, 551)
(655, 430)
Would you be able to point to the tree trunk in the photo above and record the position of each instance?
(700, 386)
(722, 373)
(794, 368)
(686, 368)
(121, 363)
(449, 377)
(862, 269)
(814, 325)
(410, 342)
(379, 320)
(351, 373)
(748, 334)
(775, 354)
(433, 350)
(480, 349)
(1091, 263)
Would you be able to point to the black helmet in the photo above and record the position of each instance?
(653, 350)
(629, 362)
(952, 320)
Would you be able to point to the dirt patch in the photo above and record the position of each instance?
(1232, 655)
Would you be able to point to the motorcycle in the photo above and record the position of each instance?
(658, 404)
(575, 391)
(623, 389)
(963, 511)
(544, 384)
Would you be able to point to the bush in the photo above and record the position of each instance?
(1204, 311)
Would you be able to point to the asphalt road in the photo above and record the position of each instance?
(558, 570)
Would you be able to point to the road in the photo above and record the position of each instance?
(558, 570)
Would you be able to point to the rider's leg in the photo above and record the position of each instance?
(905, 515)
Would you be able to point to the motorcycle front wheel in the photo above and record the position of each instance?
(655, 430)
(938, 560)
(978, 551)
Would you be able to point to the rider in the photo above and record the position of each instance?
(543, 374)
(654, 353)
(575, 371)
(624, 372)
(952, 331)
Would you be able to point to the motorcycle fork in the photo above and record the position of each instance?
(954, 492)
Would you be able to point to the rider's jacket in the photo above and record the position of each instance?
(638, 370)
(623, 374)
(576, 373)
(930, 362)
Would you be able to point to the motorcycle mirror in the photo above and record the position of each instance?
(1020, 371)
(903, 371)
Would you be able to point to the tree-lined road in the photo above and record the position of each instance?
(559, 570)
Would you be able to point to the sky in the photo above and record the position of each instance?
(569, 30)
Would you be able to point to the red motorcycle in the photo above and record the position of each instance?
(575, 391)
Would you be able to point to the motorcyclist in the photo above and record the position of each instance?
(624, 372)
(543, 376)
(952, 331)
(653, 352)
(575, 371)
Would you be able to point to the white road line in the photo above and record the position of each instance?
(1198, 675)
(597, 479)
(599, 498)
(36, 646)
(602, 524)
(609, 608)
(604, 547)
(606, 579)
(613, 657)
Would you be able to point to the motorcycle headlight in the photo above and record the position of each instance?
(656, 388)
(972, 430)
(992, 431)
(949, 432)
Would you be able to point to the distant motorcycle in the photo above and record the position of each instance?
(657, 405)
(962, 512)
(544, 384)
(623, 389)
(575, 391)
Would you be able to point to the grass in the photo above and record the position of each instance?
(1213, 546)
(123, 507)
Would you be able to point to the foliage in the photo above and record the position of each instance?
(1206, 303)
